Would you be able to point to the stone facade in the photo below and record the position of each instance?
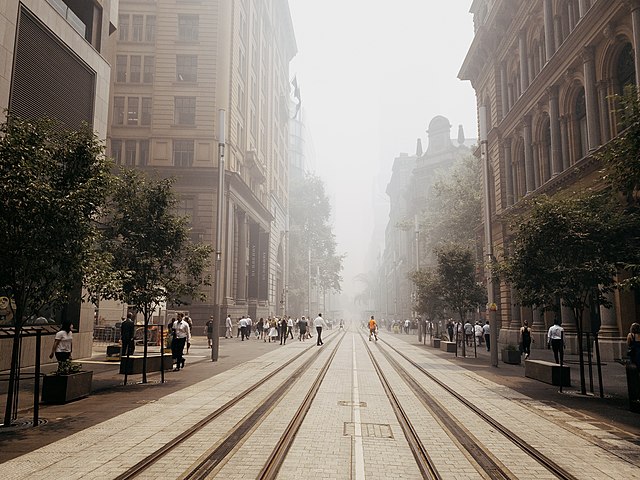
(545, 72)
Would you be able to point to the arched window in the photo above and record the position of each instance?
(625, 68)
(547, 168)
(581, 133)
(519, 187)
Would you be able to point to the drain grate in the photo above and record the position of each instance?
(21, 424)
(371, 430)
(346, 403)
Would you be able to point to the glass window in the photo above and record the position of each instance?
(185, 110)
(137, 28)
(132, 110)
(118, 110)
(135, 69)
(145, 117)
(150, 30)
(625, 69)
(144, 152)
(186, 68)
(116, 151)
(121, 68)
(149, 69)
(123, 28)
(188, 28)
(130, 153)
(183, 153)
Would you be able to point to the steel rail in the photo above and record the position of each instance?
(152, 458)
(423, 459)
(530, 450)
(248, 424)
(279, 453)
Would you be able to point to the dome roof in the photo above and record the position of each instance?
(439, 124)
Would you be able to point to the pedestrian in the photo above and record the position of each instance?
(477, 330)
(319, 323)
(555, 341)
(373, 328)
(290, 327)
(486, 329)
(242, 326)
(450, 330)
(187, 319)
(182, 337)
(302, 326)
(63, 343)
(209, 332)
(127, 334)
(633, 344)
(249, 325)
(273, 331)
(525, 340)
(260, 329)
(468, 333)
(407, 325)
(283, 331)
(228, 325)
(341, 324)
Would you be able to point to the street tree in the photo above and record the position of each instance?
(53, 185)
(429, 297)
(569, 250)
(313, 257)
(151, 258)
(456, 271)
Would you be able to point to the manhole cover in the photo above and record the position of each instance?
(373, 430)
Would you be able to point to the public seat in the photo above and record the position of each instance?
(153, 363)
(548, 372)
(449, 347)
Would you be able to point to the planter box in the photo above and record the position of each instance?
(65, 388)
(153, 364)
(449, 347)
(548, 372)
(513, 357)
(435, 342)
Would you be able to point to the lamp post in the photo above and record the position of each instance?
(417, 239)
(491, 305)
(215, 346)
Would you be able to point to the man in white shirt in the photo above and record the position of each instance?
(243, 327)
(319, 323)
(556, 341)
(228, 325)
(290, 327)
(249, 325)
(182, 333)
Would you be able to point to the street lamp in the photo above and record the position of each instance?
(215, 346)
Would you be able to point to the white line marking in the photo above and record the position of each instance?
(359, 449)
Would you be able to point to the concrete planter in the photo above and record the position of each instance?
(134, 366)
(65, 388)
(435, 342)
(512, 357)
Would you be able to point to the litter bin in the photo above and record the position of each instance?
(633, 385)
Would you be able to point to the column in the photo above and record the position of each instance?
(537, 324)
(604, 111)
(564, 142)
(516, 318)
(549, 40)
(591, 98)
(524, 75)
(557, 28)
(554, 123)
(242, 257)
(508, 173)
(582, 7)
(528, 157)
(634, 5)
(517, 194)
(609, 323)
(572, 16)
(504, 92)
(537, 181)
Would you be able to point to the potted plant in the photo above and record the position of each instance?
(511, 355)
(69, 382)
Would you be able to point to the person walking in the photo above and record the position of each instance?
(127, 334)
(373, 328)
(468, 333)
(249, 325)
(290, 327)
(302, 328)
(486, 329)
(319, 323)
(633, 344)
(243, 327)
(182, 338)
(450, 330)
(525, 340)
(187, 319)
(208, 328)
(228, 325)
(284, 327)
(477, 330)
(555, 341)
(63, 343)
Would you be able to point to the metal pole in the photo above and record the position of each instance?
(36, 378)
(161, 353)
(215, 345)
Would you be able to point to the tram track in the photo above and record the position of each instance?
(489, 464)
(237, 434)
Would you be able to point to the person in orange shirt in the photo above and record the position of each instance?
(373, 328)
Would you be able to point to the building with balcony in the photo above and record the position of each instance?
(545, 72)
(176, 64)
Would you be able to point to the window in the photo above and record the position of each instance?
(150, 30)
(144, 152)
(135, 69)
(121, 68)
(186, 68)
(625, 69)
(183, 153)
(581, 126)
(137, 28)
(118, 110)
(145, 117)
(185, 110)
(132, 110)
(123, 28)
(116, 151)
(188, 28)
(130, 153)
(149, 69)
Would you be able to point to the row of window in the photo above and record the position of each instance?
(136, 152)
(137, 110)
(142, 28)
(141, 68)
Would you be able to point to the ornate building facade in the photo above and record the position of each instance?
(177, 63)
(545, 71)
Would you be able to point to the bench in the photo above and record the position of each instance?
(153, 363)
(548, 372)
(449, 347)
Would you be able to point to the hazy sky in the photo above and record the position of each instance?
(372, 74)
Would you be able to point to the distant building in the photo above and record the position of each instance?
(176, 64)
(545, 71)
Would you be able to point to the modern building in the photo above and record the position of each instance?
(54, 63)
(412, 178)
(545, 72)
(176, 64)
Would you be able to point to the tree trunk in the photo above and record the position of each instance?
(578, 316)
(14, 372)
(144, 345)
